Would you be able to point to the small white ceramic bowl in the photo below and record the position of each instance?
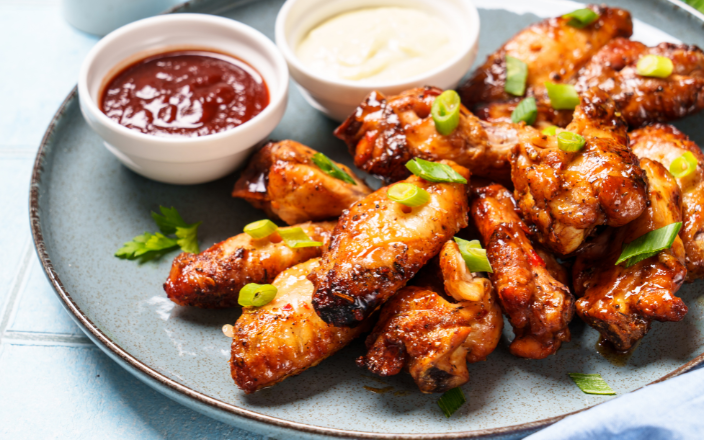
(182, 160)
(338, 98)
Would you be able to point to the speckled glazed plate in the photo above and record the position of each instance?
(84, 205)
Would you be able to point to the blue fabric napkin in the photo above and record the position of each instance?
(673, 409)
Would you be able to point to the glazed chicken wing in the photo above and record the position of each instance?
(282, 180)
(538, 306)
(620, 302)
(564, 195)
(378, 245)
(645, 99)
(664, 143)
(285, 337)
(434, 336)
(213, 278)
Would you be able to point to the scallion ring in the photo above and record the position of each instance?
(516, 76)
(562, 96)
(654, 66)
(434, 172)
(591, 384)
(526, 111)
(331, 169)
(295, 237)
(451, 401)
(649, 244)
(446, 112)
(256, 295)
(581, 18)
(570, 142)
(550, 131)
(684, 165)
(408, 194)
(473, 255)
(261, 228)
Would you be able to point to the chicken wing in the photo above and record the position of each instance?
(538, 306)
(282, 180)
(213, 278)
(564, 195)
(664, 143)
(621, 302)
(385, 133)
(434, 336)
(645, 99)
(378, 245)
(284, 337)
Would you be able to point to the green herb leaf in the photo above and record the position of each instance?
(526, 111)
(591, 384)
(696, 4)
(581, 18)
(474, 256)
(434, 172)
(188, 238)
(451, 401)
(649, 244)
(146, 247)
(516, 76)
(446, 112)
(169, 221)
(331, 169)
(295, 237)
(562, 96)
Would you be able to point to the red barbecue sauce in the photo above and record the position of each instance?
(185, 93)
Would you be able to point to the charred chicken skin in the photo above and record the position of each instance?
(565, 195)
(285, 337)
(378, 245)
(434, 334)
(282, 180)
(620, 302)
(664, 143)
(213, 278)
(642, 99)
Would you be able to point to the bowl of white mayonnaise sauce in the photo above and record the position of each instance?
(338, 51)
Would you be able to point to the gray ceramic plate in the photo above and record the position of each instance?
(84, 205)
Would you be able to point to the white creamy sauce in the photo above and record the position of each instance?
(378, 44)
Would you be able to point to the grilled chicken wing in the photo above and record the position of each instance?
(553, 51)
(213, 278)
(282, 180)
(621, 302)
(643, 99)
(538, 306)
(378, 245)
(385, 133)
(565, 195)
(284, 337)
(434, 336)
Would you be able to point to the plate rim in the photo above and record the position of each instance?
(157, 380)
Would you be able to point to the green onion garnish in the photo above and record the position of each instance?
(446, 112)
(474, 256)
(649, 244)
(569, 142)
(581, 18)
(684, 165)
(526, 111)
(256, 295)
(655, 66)
(408, 194)
(296, 238)
(516, 76)
(591, 384)
(550, 131)
(331, 169)
(261, 228)
(562, 96)
(434, 172)
(451, 401)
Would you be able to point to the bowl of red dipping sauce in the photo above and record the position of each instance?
(183, 98)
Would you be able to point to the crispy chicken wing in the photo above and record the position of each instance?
(385, 133)
(563, 195)
(643, 99)
(621, 302)
(434, 336)
(378, 245)
(284, 337)
(664, 143)
(538, 306)
(213, 278)
(282, 180)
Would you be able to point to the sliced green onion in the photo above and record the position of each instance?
(331, 169)
(684, 165)
(562, 96)
(446, 112)
(261, 228)
(408, 194)
(649, 244)
(550, 131)
(451, 401)
(296, 238)
(591, 384)
(569, 142)
(474, 256)
(516, 76)
(434, 172)
(256, 295)
(581, 18)
(655, 66)
(526, 111)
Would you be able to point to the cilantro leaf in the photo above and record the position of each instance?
(169, 221)
(131, 247)
(147, 247)
(188, 239)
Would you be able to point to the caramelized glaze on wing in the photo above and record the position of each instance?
(282, 180)
(213, 278)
